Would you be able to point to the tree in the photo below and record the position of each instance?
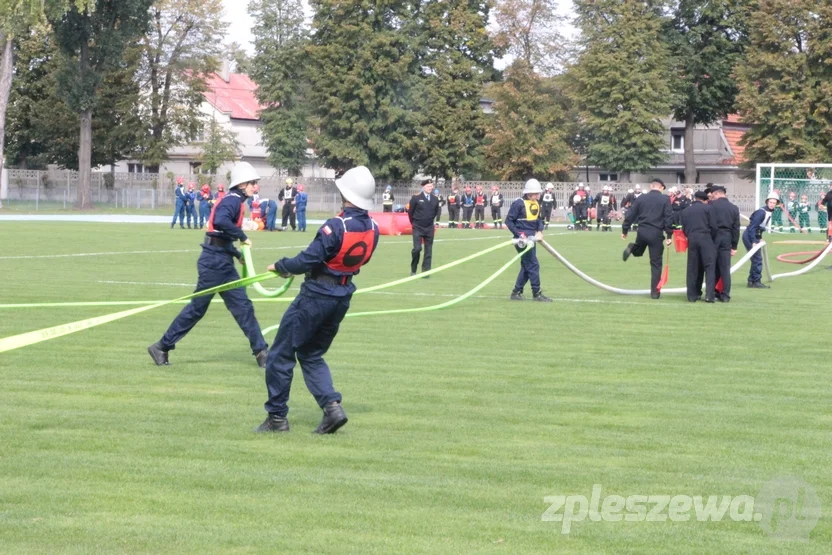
(456, 60)
(93, 42)
(183, 47)
(43, 129)
(16, 17)
(528, 31)
(278, 68)
(707, 40)
(220, 146)
(241, 62)
(621, 83)
(362, 75)
(528, 135)
(786, 82)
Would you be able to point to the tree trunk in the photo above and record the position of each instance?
(690, 163)
(6, 65)
(84, 201)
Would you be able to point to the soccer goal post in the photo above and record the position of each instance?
(801, 188)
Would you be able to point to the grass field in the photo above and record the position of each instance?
(461, 421)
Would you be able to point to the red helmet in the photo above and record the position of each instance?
(180, 180)
(191, 186)
(206, 188)
(495, 188)
(221, 187)
(300, 188)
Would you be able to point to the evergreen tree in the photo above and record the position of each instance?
(786, 82)
(707, 40)
(362, 76)
(457, 59)
(279, 65)
(621, 83)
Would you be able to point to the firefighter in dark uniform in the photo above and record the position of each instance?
(725, 220)
(422, 211)
(547, 204)
(678, 202)
(340, 248)
(695, 222)
(753, 234)
(605, 204)
(653, 215)
(480, 200)
(287, 195)
(497, 207)
(467, 203)
(216, 267)
(453, 206)
(523, 220)
(438, 194)
(387, 199)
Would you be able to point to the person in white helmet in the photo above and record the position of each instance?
(216, 267)
(341, 247)
(547, 204)
(753, 234)
(523, 220)
(605, 204)
(287, 195)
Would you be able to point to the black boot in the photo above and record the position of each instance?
(159, 355)
(628, 251)
(758, 285)
(540, 297)
(274, 423)
(517, 296)
(334, 418)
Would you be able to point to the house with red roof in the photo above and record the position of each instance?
(230, 100)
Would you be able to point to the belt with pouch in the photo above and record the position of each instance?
(217, 242)
(330, 279)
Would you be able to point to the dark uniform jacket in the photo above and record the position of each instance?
(652, 210)
(423, 210)
(725, 217)
(696, 218)
(523, 218)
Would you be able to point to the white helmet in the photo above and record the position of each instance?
(772, 195)
(580, 185)
(550, 186)
(532, 186)
(358, 187)
(638, 187)
(289, 181)
(630, 191)
(607, 187)
(577, 199)
(242, 172)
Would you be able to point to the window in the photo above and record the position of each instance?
(677, 142)
(680, 177)
(195, 167)
(612, 177)
(135, 168)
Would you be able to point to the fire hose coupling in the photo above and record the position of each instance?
(522, 242)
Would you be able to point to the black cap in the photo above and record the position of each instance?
(700, 195)
(709, 188)
(718, 189)
(426, 182)
(659, 181)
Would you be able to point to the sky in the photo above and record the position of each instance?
(236, 13)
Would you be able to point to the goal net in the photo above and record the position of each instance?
(801, 188)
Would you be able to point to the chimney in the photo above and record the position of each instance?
(225, 71)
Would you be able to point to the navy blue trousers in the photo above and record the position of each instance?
(305, 334)
(204, 213)
(190, 212)
(179, 211)
(271, 215)
(216, 266)
(756, 273)
(529, 270)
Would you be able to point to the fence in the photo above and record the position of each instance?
(58, 189)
